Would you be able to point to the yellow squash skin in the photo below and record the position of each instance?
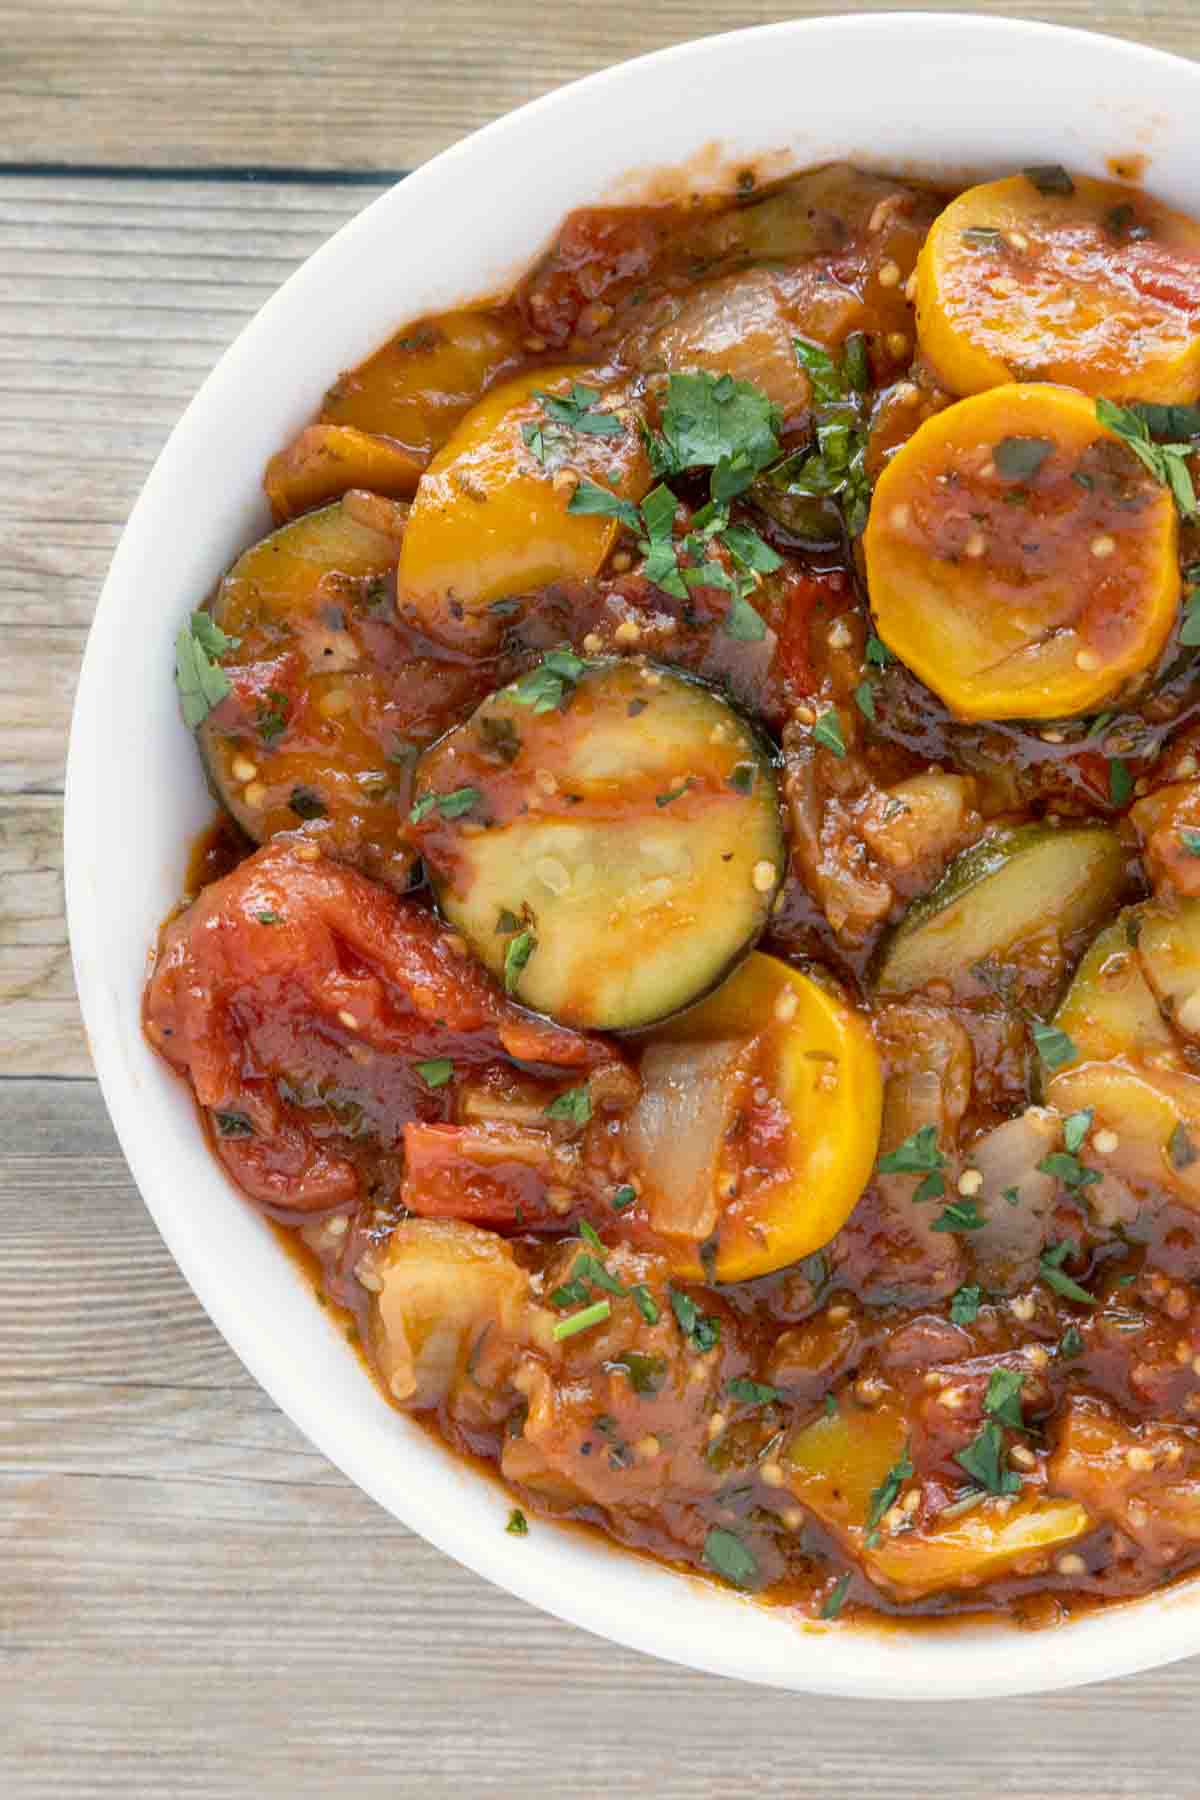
(1098, 289)
(490, 520)
(817, 1058)
(1035, 595)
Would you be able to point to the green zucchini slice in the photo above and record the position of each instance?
(1109, 1009)
(301, 742)
(1015, 886)
(606, 836)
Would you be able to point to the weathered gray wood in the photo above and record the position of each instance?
(357, 85)
(193, 1603)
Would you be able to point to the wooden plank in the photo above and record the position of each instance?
(354, 86)
(196, 1603)
(43, 1032)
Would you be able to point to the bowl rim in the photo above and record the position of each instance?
(853, 1660)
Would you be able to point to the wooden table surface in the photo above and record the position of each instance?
(192, 1602)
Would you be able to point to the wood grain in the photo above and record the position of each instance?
(194, 1603)
(357, 85)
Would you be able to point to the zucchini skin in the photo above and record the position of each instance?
(938, 938)
(611, 856)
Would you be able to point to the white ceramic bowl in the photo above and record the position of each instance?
(903, 91)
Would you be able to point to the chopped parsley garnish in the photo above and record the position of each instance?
(518, 1524)
(830, 1406)
(1120, 781)
(743, 623)
(1190, 839)
(831, 1606)
(1076, 1127)
(1050, 178)
(1070, 1343)
(1053, 1046)
(1017, 458)
(574, 1292)
(888, 1491)
(981, 1460)
(567, 413)
(1049, 1266)
(201, 683)
(917, 1155)
(590, 497)
(752, 1393)
(727, 1556)
(750, 551)
(828, 732)
(451, 806)
(877, 652)
(645, 1302)
(714, 422)
(623, 1197)
(742, 778)
(701, 1330)
(1003, 1398)
(271, 719)
(595, 1314)
(436, 1072)
(1168, 463)
(964, 1305)
(661, 800)
(519, 951)
(233, 1125)
(1068, 1169)
(1180, 1148)
(1011, 1196)
(546, 687)
(573, 1104)
(269, 918)
(864, 699)
(960, 1215)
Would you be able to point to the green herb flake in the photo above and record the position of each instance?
(752, 1393)
(1076, 1127)
(864, 699)
(1068, 1169)
(1050, 178)
(645, 1302)
(518, 1524)
(932, 1188)
(917, 1155)
(574, 1105)
(1052, 1274)
(233, 1125)
(576, 411)
(728, 1557)
(1180, 1148)
(964, 1305)
(202, 684)
(623, 1197)
(548, 686)
(828, 732)
(981, 1461)
(1003, 1398)
(742, 623)
(1053, 1046)
(269, 918)
(1167, 463)
(1190, 839)
(714, 422)
(750, 551)
(877, 652)
(701, 1330)
(590, 497)
(742, 778)
(830, 1406)
(1019, 458)
(888, 1491)
(436, 1072)
(1120, 781)
(595, 1314)
(831, 1606)
(661, 800)
(518, 953)
(1070, 1344)
(960, 1215)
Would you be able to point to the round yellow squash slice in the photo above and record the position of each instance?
(1019, 558)
(1051, 277)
